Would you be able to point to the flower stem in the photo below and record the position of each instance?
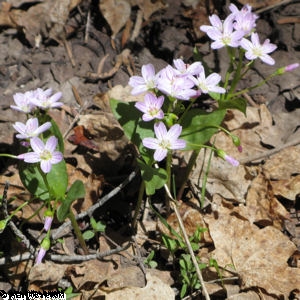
(262, 82)
(237, 74)
(78, 232)
(8, 155)
(189, 169)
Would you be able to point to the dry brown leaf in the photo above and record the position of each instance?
(261, 205)
(154, 290)
(224, 179)
(86, 275)
(149, 7)
(259, 256)
(282, 165)
(288, 189)
(199, 14)
(116, 13)
(125, 277)
(46, 18)
(260, 129)
(92, 184)
(47, 274)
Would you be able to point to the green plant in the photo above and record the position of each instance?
(96, 228)
(149, 261)
(69, 293)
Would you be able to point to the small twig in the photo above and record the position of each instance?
(87, 27)
(76, 118)
(69, 52)
(259, 11)
(64, 258)
(139, 256)
(269, 152)
(137, 26)
(16, 258)
(81, 258)
(59, 232)
(288, 20)
(119, 61)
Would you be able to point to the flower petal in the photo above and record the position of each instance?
(31, 157)
(173, 133)
(51, 143)
(56, 157)
(178, 144)
(160, 130)
(151, 143)
(148, 72)
(160, 154)
(37, 145)
(46, 166)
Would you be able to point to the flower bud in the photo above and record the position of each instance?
(48, 219)
(170, 119)
(287, 68)
(46, 243)
(45, 246)
(231, 160)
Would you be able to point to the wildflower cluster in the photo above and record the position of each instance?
(181, 82)
(167, 122)
(42, 168)
(30, 103)
(235, 30)
(36, 137)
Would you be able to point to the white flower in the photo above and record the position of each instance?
(144, 83)
(166, 140)
(151, 107)
(23, 102)
(256, 50)
(43, 153)
(30, 129)
(208, 84)
(44, 100)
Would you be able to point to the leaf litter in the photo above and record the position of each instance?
(245, 213)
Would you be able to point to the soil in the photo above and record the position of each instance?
(71, 66)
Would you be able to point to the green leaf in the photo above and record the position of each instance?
(183, 290)
(171, 244)
(97, 226)
(152, 264)
(58, 180)
(87, 235)
(69, 293)
(130, 119)
(234, 103)
(154, 178)
(54, 129)
(32, 180)
(3, 224)
(199, 126)
(76, 191)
